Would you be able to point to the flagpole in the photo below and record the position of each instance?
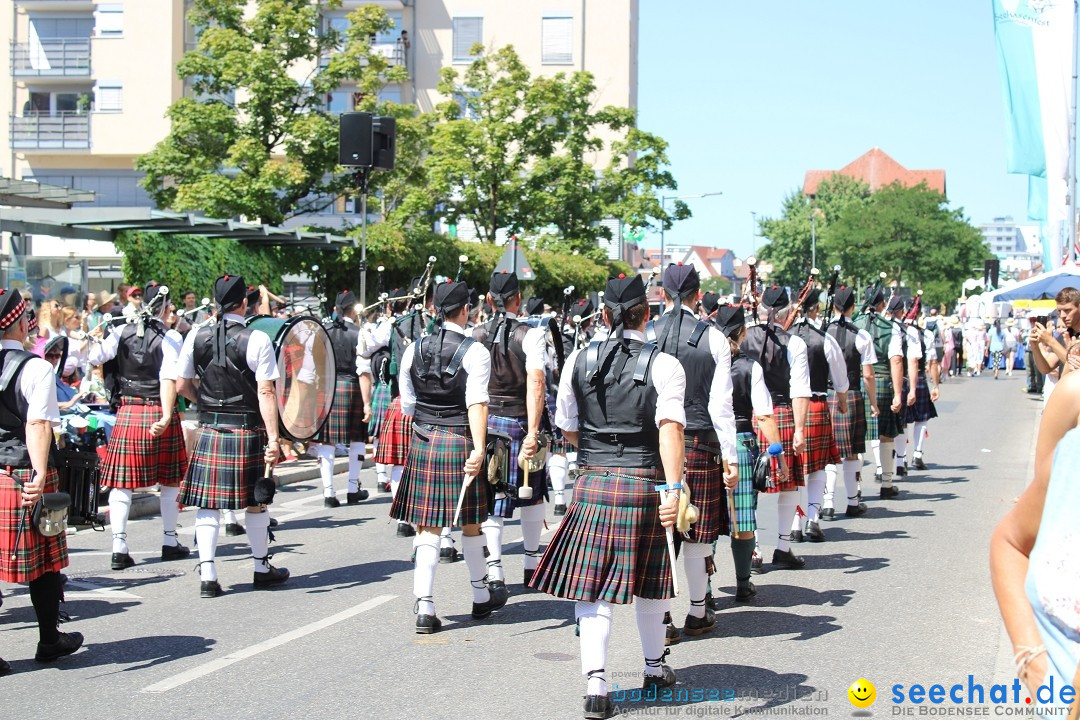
(1070, 252)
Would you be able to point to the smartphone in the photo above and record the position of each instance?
(1033, 320)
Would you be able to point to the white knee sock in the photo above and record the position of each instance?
(697, 579)
(357, 450)
(920, 437)
(827, 501)
(382, 472)
(325, 453)
(875, 446)
(170, 513)
(888, 462)
(258, 533)
(557, 473)
(571, 461)
(594, 631)
(492, 529)
(815, 490)
(851, 483)
(426, 552)
(786, 502)
(651, 630)
(230, 517)
(472, 547)
(446, 539)
(207, 525)
(119, 510)
(900, 442)
(395, 478)
(532, 525)
(796, 520)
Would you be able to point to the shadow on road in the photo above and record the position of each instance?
(839, 534)
(756, 687)
(350, 576)
(752, 623)
(138, 653)
(933, 478)
(932, 497)
(75, 608)
(778, 595)
(850, 564)
(883, 511)
(322, 522)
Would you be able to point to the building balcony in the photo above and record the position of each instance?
(52, 57)
(62, 131)
(394, 52)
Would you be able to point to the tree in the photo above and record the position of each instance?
(272, 153)
(718, 285)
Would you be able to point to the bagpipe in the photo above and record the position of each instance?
(418, 292)
(916, 305)
(751, 298)
(872, 291)
(803, 294)
(831, 293)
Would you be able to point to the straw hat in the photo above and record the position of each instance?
(104, 299)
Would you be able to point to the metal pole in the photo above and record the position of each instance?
(1070, 252)
(363, 237)
(513, 253)
(663, 204)
(813, 239)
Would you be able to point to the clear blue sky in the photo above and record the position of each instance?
(752, 94)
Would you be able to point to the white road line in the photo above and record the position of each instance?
(99, 590)
(274, 642)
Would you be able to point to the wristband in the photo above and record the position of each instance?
(670, 486)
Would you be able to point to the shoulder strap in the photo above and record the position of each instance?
(592, 357)
(459, 356)
(644, 361)
(13, 360)
(650, 331)
(699, 331)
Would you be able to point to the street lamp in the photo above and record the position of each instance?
(663, 206)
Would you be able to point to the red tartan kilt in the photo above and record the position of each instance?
(345, 424)
(135, 460)
(36, 555)
(705, 476)
(395, 436)
(224, 468)
(785, 423)
(820, 443)
(432, 480)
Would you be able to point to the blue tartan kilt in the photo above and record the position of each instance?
(380, 402)
(745, 495)
(923, 409)
(433, 476)
(517, 428)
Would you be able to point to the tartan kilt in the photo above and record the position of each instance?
(380, 402)
(516, 428)
(923, 409)
(868, 416)
(135, 460)
(889, 423)
(223, 468)
(745, 497)
(431, 482)
(395, 436)
(36, 554)
(345, 423)
(820, 444)
(610, 546)
(849, 430)
(705, 477)
(785, 423)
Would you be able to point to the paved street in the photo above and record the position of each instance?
(900, 596)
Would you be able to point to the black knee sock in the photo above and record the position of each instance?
(742, 552)
(45, 594)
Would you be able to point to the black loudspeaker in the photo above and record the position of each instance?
(354, 139)
(383, 141)
(990, 272)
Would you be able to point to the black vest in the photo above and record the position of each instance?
(228, 389)
(816, 359)
(691, 347)
(509, 382)
(617, 416)
(139, 360)
(845, 333)
(769, 347)
(440, 396)
(343, 338)
(13, 409)
(742, 382)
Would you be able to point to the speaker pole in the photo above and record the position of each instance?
(362, 181)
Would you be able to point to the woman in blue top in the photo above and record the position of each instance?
(997, 346)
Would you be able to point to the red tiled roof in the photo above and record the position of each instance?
(877, 170)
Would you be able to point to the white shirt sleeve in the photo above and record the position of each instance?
(800, 368)
(914, 350)
(669, 379)
(363, 364)
(477, 363)
(837, 364)
(721, 409)
(865, 345)
(185, 364)
(37, 383)
(405, 386)
(379, 337)
(535, 346)
(170, 353)
(896, 343)
(104, 351)
(566, 409)
(760, 398)
(260, 356)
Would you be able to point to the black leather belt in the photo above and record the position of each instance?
(246, 421)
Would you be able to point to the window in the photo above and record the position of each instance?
(391, 34)
(109, 96)
(110, 20)
(468, 31)
(557, 39)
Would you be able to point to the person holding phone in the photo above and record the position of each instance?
(1057, 354)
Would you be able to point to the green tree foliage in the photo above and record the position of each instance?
(718, 285)
(272, 153)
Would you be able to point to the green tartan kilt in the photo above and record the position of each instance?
(380, 401)
(745, 496)
(889, 424)
(850, 428)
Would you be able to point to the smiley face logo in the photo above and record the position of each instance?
(862, 693)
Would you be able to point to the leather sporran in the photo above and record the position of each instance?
(762, 474)
(537, 461)
(49, 514)
(498, 459)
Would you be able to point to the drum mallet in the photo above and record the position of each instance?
(663, 490)
(461, 498)
(525, 492)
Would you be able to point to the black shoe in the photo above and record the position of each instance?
(273, 522)
(699, 625)
(210, 589)
(828, 514)
(901, 471)
(121, 561)
(560, 510)
(757, 563)
(234, 529)
(497, 597)
(359, 496)
(710, 602)
(889, 492)
(65, 645)
(745, 591)
(449, 555)
(660, 681)
(174, 552)
(527, 577)
(787, 559)
(813, 531)
(405, 530)
(597, 707)
(274, 576)
(919, 464)
(671, 634)
(331, 502)
(797, 536)
(383, 487)
(6, 669)
(855, 511)
(427, 624)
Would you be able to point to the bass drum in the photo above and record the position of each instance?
(305, 360)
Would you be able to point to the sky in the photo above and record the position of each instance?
(752, 94)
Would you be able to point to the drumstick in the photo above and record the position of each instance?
(663, 490)
(19, 532)
(731, 501)
(525, 492)
(461, 498)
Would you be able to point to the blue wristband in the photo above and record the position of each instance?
(672, 486)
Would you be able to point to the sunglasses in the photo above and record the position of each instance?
(53, 356)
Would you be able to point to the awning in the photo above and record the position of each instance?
(26, 193)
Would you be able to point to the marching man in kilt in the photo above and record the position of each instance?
(783, 360)
(229, 370)
(850, 426)
(923, 411)
(444, 389)
(825, 361)
(711, 455)
(351, 409)
(147, 443)
(27, 414)
(621, 403)
(516, 408)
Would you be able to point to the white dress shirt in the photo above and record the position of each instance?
(834, 356)
(476, 363)
(534, 344)
(928, 340)
(667, 377)
(260, 356)
(760, 398)
(896, 343)
(171, 343)
(363, 364)
(865, 345)
(37, 384)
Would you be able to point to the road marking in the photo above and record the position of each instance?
(102, 590)
(274, 642)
